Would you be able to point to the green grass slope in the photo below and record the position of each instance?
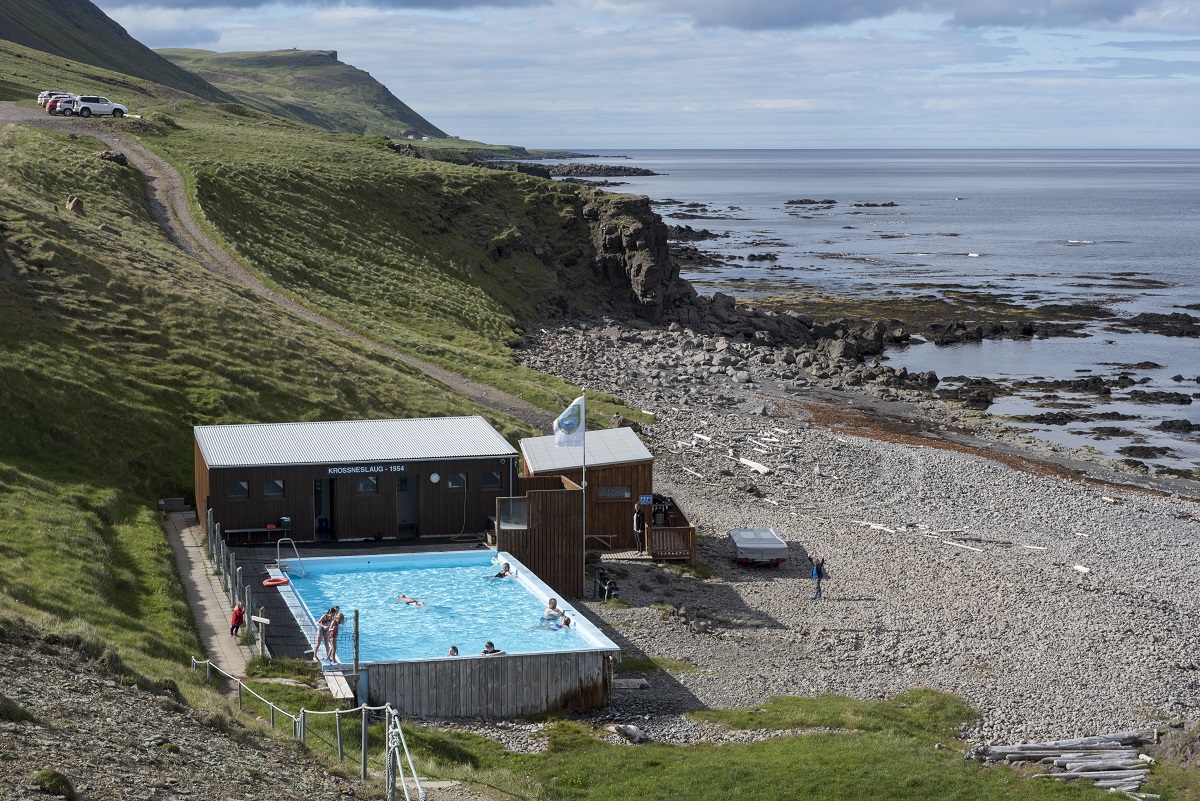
(310, 86)
(25, 71)
(440, 260)
(78, 30)
(113, 345)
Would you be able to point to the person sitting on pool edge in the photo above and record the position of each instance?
(505, 571)
(552, 610)
(408, 599)
(489, 649)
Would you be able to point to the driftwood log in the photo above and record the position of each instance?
(1109, 760)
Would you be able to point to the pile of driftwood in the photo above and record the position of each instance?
(1108, 759)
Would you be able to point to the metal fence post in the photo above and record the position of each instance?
(364, 742)
(303, 733)
(337, 718)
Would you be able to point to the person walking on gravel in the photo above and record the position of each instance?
(818, 573)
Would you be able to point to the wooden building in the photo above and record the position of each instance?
(325, 481)
(620, 476)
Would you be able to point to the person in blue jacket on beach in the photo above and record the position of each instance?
(818, 573)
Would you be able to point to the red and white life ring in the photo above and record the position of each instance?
(277, 581)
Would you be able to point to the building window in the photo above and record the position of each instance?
(456, 481)
(491, 480)
(402, 484)
(368, 485)
(613, 493)
(237, 489)
(273, 488)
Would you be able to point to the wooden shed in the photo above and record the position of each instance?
(354, 479)
(620, 475)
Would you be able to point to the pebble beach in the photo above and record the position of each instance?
(1058, 602)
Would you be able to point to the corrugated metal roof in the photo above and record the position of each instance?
(350, 442)
(604, 446)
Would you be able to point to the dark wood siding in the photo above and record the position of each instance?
(256, 510)
(613, 518)
(201, 481)
(441, 511)
(552, 545)
(494, 686)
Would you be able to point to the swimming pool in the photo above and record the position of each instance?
(464, 606)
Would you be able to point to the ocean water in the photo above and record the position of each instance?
(1119, 228)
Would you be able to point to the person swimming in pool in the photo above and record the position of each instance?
(411, 601)
(505, 571)
(552, 610)
(554, 624)
(489, 649)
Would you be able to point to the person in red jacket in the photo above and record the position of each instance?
(235, 622)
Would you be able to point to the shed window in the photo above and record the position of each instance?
(456, 481)
(368, 485)
(237, 489)
(491, 480)
(614, 493)
(273, 488)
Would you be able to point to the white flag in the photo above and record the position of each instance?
(568, 428)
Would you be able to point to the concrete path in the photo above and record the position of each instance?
(208, 600)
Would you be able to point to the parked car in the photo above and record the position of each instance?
(58, 104)
(758, 546)
(44, 97)
(87, 105)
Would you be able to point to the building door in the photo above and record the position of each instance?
(324, 500)
(407, 507)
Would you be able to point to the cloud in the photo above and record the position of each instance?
(165, 27)
(799, 14)
(799, 104)
(429, 5)
(1177, 45)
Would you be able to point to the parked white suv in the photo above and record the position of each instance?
(87, 105)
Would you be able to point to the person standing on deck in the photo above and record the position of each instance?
(639, 527)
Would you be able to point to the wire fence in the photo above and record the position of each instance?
(345, 726)
(390, 744)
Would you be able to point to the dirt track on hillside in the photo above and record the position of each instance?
(168, 202)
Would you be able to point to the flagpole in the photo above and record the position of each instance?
(583, 426)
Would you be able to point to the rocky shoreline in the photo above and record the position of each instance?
(1057, 606)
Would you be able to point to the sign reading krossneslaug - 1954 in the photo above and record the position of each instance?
(363, 469)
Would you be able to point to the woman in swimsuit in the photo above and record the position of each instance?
(323, 632)
(331, 645)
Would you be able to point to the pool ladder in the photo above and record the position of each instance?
(295, 550)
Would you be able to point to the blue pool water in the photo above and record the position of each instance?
(464, 606)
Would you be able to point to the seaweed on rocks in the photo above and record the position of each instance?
(1178, 398)
(1176, 324)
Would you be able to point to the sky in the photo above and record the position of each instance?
(612, 74)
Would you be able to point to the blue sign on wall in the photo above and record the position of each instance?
(645, 500)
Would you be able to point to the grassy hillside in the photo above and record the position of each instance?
(113, 345)
(79, 31)
(310, 86)
(25, 71)
(440, 260)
